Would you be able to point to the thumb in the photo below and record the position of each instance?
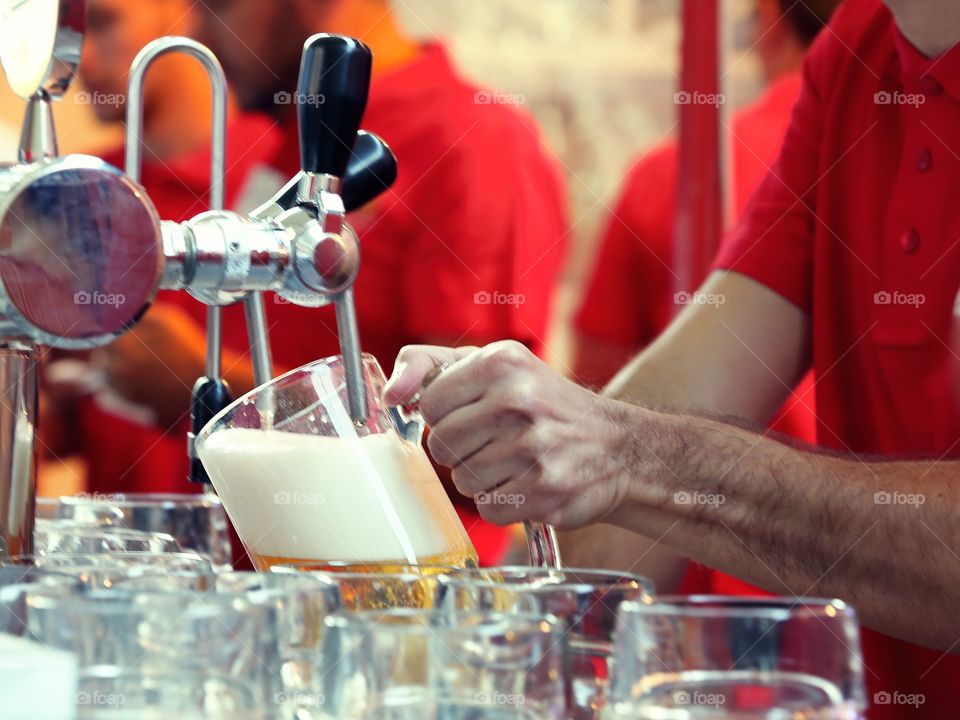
(413, 364)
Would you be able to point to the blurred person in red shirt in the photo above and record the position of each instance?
(845, 259)
(629, 300)
(466, 247)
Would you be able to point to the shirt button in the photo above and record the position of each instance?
(930, 86)
(910, 241)
(924, 160)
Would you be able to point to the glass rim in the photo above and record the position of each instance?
(86, 528)
(107, 601)
(474, 577)
(134, 500)
(545, 623)
(703, 606)
(205, 432)
(36, 574)
(28, 560)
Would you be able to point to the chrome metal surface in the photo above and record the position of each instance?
(214, 332)
(80, 251)
(256, 317)
(18, 471)
(352, 360)
(218, 88)
(218, 140)
(38, 138)
(310, 186)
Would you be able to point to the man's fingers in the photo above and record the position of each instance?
(470, 427)
(413, 364)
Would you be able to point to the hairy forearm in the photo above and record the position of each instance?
(881, 535)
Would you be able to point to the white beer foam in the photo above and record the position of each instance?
(313, 497)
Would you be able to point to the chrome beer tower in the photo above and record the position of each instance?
(83, 251)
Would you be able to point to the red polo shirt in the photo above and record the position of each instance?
(465, 247)
(857, 225)
(628, 299)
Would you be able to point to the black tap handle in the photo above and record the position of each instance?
(209, 398)
(332, 95)
(371, 170)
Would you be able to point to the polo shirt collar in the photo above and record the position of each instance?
(917, 69)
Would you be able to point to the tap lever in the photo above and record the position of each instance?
(332, 95)
(209, 397)
(371, 170)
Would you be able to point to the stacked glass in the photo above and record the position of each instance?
(154, 522)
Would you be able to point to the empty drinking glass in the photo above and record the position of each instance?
(381, 664)
(105, 570)
(303, 601)
(66, 536)
(162, 655)
(198, 523)
(17, 582)
(699, 658)
(585, 600)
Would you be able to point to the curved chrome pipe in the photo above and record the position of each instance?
(218, 141)
(253, 302)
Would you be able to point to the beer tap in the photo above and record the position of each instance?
(331, 97)
(324, 252)
(83, 251)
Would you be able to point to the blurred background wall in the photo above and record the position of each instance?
(599, 76)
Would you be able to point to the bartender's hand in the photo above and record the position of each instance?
(527, 443)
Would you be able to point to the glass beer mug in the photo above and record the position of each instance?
(302, 482)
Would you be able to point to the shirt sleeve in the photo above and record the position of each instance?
(626, 298)
(487, 234)
(773, 241)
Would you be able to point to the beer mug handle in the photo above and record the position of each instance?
(409, 423)
(542, 544)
